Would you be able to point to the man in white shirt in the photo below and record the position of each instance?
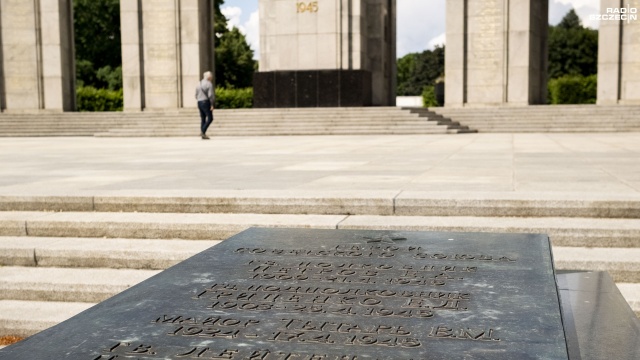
(205, 95)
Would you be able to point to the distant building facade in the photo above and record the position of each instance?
(313, 53)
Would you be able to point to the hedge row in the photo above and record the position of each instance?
(234, 98)
(89, 98)
(573, 89)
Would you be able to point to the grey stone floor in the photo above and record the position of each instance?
(523, 163)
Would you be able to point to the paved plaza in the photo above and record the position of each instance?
(85, 218)
(520, 163)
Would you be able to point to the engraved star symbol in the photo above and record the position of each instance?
(384, 239)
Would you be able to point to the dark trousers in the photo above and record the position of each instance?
(206, 115)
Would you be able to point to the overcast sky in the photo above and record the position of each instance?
(421, 23)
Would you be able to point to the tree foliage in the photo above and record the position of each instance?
(419, 70)
(220, 27)
(234, 57)
(234, 61)
(573, 48)
(97, 43)
(98, 47)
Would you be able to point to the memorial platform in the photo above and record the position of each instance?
(82, 219)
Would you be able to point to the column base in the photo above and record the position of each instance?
(312, 88)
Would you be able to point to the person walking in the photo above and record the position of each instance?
(205, 95)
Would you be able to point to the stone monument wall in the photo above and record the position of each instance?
(37, 66)
(326, 53)
(166, 47)
(496, 52)
(619, 56)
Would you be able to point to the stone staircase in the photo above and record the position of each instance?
(60, 255)
(242, 122)
(547, 118)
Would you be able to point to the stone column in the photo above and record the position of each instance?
(619, 56)
(496, 52)
(381, 56)
(456, 53)
(37, 55)
(166, 46)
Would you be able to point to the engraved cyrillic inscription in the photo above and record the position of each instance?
(369, 296)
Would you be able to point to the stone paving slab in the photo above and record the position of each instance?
(520, 163)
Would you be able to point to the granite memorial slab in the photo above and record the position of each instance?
(332, 295)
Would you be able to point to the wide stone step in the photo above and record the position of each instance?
(574, 232)
(254, 122)
(631, 293)
(151, 226)
(98, 284)
(32, 252)
(67, 285)
(547, 119)
(622, 264)
(97, 252)
(525, 129)
(580, 232)
(385, 202)
(25, 318)
(294, 128)
(278, 133)
(298, 123)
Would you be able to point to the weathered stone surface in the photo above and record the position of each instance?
(398, 295)
(330, 35)
(496, 53)
(37, 69)
(618, 54)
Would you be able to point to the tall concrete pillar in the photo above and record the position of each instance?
(619, 56)
(380, 20)
(326, 53)
(496, 52)
(37, 59)
(166, 46)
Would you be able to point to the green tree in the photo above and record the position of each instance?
(571, 21)
(234, 61)
(220, 26)
(419, 70)
(97, 43)
(406, 68)
(573, 48)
